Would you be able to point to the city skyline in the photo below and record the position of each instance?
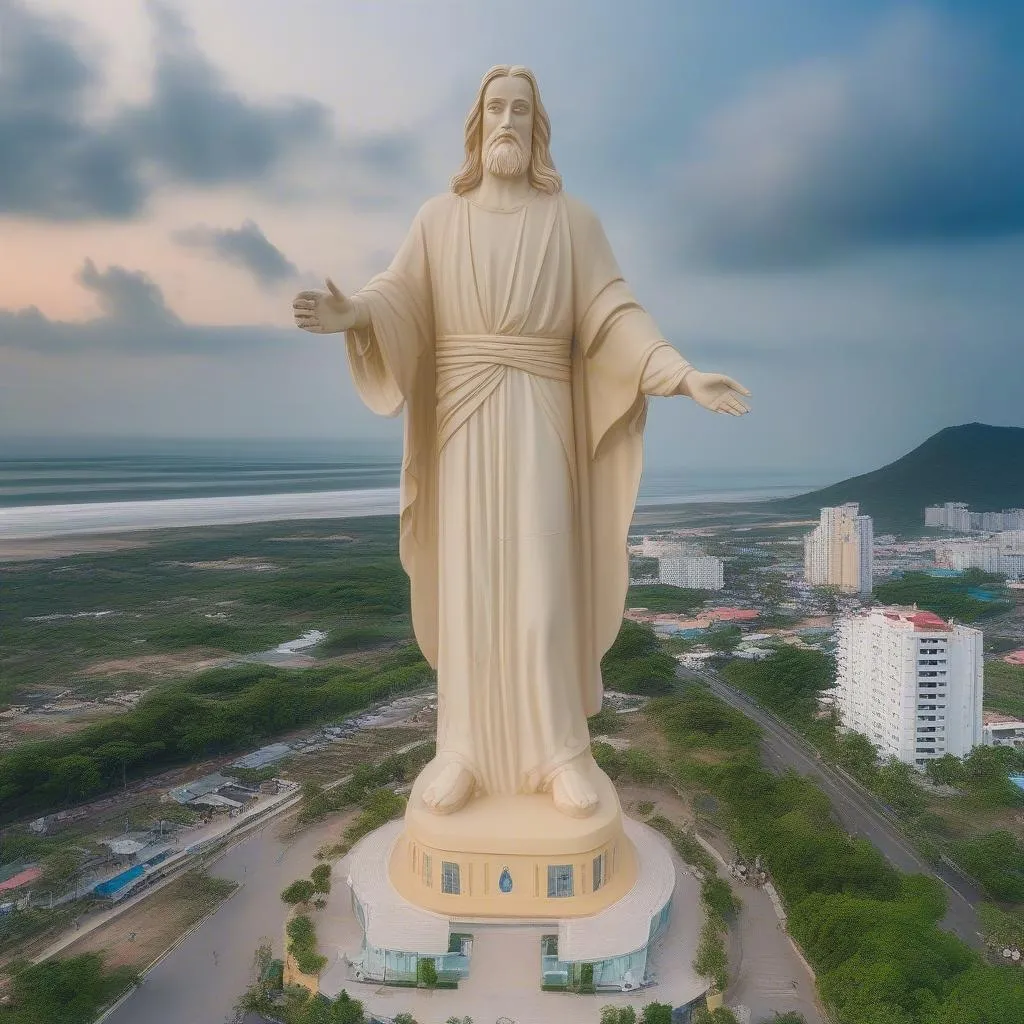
(759, 193)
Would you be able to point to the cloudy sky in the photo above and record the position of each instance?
(823, 199)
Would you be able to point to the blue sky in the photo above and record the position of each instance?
(823, 199)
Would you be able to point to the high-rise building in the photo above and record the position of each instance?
(840, 551)
(955, 515)
(700, 572)
(968, 554)
(911, 682)
(1002, 553)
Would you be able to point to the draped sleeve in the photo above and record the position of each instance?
(392, 364)
(384, 355)
(619, 358)
(625, 355)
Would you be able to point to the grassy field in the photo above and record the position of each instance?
(107, 622)
(1004, 688)
(136, 938)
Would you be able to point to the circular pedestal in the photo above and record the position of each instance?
(514, 856)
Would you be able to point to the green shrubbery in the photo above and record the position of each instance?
(318, 802)
(721, 905)
(635, 663)
(946, 595)
(871, 933)
(789, 682)
(62, 991)
(218, 711)
(302, 945)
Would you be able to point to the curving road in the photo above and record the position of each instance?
(854, 808)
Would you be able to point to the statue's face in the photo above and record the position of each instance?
(508, 127)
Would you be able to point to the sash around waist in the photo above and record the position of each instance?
(542, 357)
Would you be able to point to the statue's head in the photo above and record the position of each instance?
(508, 132)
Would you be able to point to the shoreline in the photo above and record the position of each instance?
(30, 523)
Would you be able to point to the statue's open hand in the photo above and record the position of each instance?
(324, 312)
(716, 392)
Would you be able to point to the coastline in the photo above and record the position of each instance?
(22, 523)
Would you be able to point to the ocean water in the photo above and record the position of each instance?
(57, 488)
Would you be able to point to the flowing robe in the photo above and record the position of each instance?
(523, 363)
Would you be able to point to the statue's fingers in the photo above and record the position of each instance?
(304, 304)
(735, 385)
(333, 289)
(308, 296)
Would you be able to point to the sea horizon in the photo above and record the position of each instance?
(65, 487)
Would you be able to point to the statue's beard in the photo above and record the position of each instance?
(506, 158)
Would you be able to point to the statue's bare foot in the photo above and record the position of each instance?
(573, 793)
(450, 790)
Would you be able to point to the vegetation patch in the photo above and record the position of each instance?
(870, 932)
(63, 991)
(216, 712)
(635, 663)
(948, 596)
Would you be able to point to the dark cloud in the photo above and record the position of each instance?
(53, 163)
(61, 163)
(913, 140)
(126, 296)
(199, 131)
(246, 247)
(134, 320)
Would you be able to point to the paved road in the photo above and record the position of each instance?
(767, 976)
(782, 748)
(201, 980)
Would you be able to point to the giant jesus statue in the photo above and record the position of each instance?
(506, 332)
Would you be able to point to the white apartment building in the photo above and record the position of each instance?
(697, 572)
(968, 554)
(911, 682)
(955, 515)
(840, 551)
(1002, 553)
(1002, 730)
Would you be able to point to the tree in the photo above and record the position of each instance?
(301, 890)
(347, 1010)
(656, 1013)
(946, 771)
(618, 1015)
(426, 970)
(405, 1018)
(711, 960)
(321, 878)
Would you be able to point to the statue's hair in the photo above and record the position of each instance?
(542, 173)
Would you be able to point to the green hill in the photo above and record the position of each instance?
(975, 463)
